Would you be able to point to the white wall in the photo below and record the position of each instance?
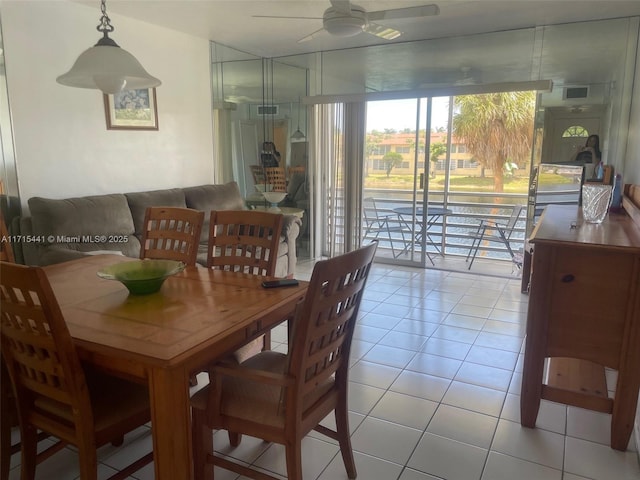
(63, 148)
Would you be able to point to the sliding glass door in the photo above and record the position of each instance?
(421, 175)
(404, 182)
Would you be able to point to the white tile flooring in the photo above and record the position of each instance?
(434, 394)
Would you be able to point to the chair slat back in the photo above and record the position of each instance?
(6, 251)
(37, 347)
(324, 326)
(277, 178)
(369, 209)
(296, 169)
(513, 219)
(244, 241)
(258, 174)
(172, 233)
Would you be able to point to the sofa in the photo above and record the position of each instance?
(61, 230)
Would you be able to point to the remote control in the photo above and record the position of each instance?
(284, 282)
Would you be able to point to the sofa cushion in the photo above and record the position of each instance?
(213, 197)
(140, 201)
(101, 222)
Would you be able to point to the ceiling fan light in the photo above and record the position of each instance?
(344, 26)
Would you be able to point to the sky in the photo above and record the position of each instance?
(401, 114)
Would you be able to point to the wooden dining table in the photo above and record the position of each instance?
(198, 316)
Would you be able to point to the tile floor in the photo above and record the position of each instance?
(434, 394)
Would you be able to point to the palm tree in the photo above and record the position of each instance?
(496, 127)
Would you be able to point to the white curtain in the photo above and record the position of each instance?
(222, 146)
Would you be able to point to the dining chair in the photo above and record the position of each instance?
(277, 178)
(291, 171)
(55, 394)
(172, 233)
(245, 241)
(6, 251)
(497, 232)
(257, 172)
(377, 222)
(8, 407)
(282, 397)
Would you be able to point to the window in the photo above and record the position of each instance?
(575, 131)
(378, 164)
(381, 149)
(403, 149)
(462, 149)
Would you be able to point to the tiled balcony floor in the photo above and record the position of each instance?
(434, 394)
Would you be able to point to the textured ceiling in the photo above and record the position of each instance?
(450, 57)
(231, 22)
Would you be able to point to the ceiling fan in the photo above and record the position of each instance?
(346, 19)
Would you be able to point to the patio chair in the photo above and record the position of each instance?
(497, 232)
(281, 397)
(172, 233)
(377, 223)
(54, 393)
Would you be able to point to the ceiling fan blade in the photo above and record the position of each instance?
(279, 16)
(311, 36)
(381, 31)
(410, 12)
(342, 6)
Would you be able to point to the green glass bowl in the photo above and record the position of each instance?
(142, 277)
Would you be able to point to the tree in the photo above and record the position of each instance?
(435, 150)
(496, 127)
(391, 159)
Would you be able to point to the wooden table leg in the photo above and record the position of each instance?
(626, 396)
(531, 393)
(171, 423)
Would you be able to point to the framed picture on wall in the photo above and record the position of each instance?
(132, 110)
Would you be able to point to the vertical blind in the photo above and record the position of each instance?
(338, 146)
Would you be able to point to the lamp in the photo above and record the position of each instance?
(298, 135)
(106, 66)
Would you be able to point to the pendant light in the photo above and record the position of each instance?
(106, 66)
(298, 135)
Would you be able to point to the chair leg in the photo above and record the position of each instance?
(88, 458)
(294, 461)
(202, 439)
(475, 247)
(234, 438)
(342, 429)
(266, 339)
(5, 437)
(29, 445)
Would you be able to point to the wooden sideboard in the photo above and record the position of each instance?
(584, 315)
